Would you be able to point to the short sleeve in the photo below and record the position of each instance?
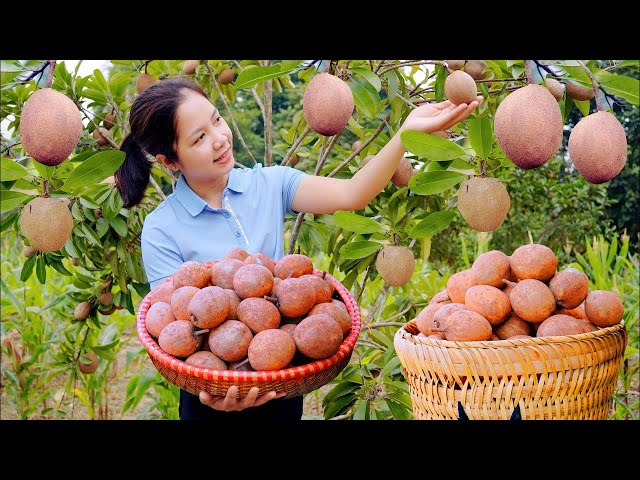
(291, 179)
(160, 254)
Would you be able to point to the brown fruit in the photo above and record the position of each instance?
(253, 280)
(490, 302)
(455, 64)
(327, 104)
(179, 339)
(598, 147)
(230, 341)
(318, 336)
(206, 360)
(466, 326)
(180, 299)
(92, 366)
(396, 264)
(50, 126)
(578, 92)
(569, 287)
(533, 261)
(209, 307)
(356, 145)
(258, 314)
(271, 350)
(194, 274)
(112, 309)
(491, 268)
(441, 134)
(162, 293)
(555, 87)
(82, 311)
(237, 253)
(577, 312)
(106, 298)
(321, 287)
(366, 160)
(108, 121)
(260, 259)
(338, 314)
(460, 87)
(189, 67)
(47, 223)
(603, 308)
(234, 301)
(440, 317)
(403, 173)
(340, 304)
(514, 326)
(294, 297)
(484, 203)
(144, 81)
(475, 68)
(440, 297)
(424, 320)
(528, 126)
(294, 265)
(532, 300)
(222, 272)
(226, 76)
(459, 283)
(102, 136)
(564, 325)
(294, 160)
(158, 316)
(520, 337)
(289, 328)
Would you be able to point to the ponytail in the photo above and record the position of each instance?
(132, 177)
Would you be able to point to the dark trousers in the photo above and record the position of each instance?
(279, 409)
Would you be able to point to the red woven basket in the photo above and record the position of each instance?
(294, 381)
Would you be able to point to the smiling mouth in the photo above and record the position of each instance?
(224, 156)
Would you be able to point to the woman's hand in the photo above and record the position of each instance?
(229, 403)
(439, 116)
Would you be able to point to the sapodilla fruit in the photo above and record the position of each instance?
(261, 259)
(222, 272)
(109, 121)
(403, 173)
(570, 287)
(180, 339)
(189, 67)
(564, 325)
(47, 223)
(484, 203)
(555, 87)
(424, 320)
(237, 253)
(225, 77)
(318, 336)
(598, 147)
(491, 268)
(29, 251)
(209, 307)
(230, 341)
(50, 126)
(234, 301)
(293, 265)
(258, 314)
(514, 326)
(534, 261)
(158, 316)
(528, 126)
(321, 287)
(466, 326)
(459, 283)
(102, 136)
(460, 87)
(395, 264)
(455, 64)
(355, 146)
(490, 302)
(476, 69)
(82, 311)
(603, 308)
(206, 360)
(440, 297)
(92, 366)
(162, 293)
(532, 300)
(335, 312)
(578, 92)
(440, 317)
(253, 280)
(327, 104)
(180, 299)
(144, 81)
(271, 349)
(190, 273)
(294, 297)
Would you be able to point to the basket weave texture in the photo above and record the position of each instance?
(294, 381)
(562, 377)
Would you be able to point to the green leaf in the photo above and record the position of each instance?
(10, 200)
(430, 183)
(102, 227)
(41, 270)
(620, 85)
(365, 97)
(253, 76)
(369, 76)
(340, 390)
(362, 411)
(27, 268)
(11, 170)
(94, 169)
(91, 235)
(357, 223)
(584, 106)
(481, 136)
(58, 265)
(399, 411)
(428, 146)
(434, 223)
(44, 170)
(440, 79)
(357, 250)
(392, 84)
(287, 65)
(119, 225)
(629, 64)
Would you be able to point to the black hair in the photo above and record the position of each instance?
(153, 132)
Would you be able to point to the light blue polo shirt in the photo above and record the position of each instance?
(184, 227)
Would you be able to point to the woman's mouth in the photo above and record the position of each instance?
(224, 157)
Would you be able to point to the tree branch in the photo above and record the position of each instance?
(52, 65)
(527, 67)
(268, 111)
(408, 64)
(294, 232)
(291, 150)
(226, 106)
(594, 84)
(376, 305)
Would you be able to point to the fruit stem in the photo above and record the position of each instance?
(52, 65)
(527, 67)
(200, 332)
(595, 85)
(483, 168)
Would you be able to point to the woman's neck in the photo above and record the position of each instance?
(210, 192)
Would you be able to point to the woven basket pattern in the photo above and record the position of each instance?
(563, 377)
(294, 381)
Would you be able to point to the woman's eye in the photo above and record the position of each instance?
(218, 119)
(200, 137)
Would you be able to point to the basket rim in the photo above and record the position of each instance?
(258, 376)
(403, 334)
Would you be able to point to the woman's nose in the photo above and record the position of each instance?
(219, 141)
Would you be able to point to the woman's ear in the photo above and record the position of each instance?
(163, 159)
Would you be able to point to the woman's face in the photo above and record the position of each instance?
(204, 140)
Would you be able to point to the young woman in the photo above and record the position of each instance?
(216, 207)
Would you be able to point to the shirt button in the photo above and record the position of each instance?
(238, 234)
(227, 214)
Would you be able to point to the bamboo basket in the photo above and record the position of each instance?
(561, 377)
(294, 381)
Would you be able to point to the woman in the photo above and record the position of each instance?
(216, 207)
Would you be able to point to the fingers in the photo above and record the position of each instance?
(250, 398)
(210, 400)
(230, 403)
(269, 396)
(442, 105)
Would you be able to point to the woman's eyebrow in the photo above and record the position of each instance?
(213, 114)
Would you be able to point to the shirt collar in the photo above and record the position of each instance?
(194, 204)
